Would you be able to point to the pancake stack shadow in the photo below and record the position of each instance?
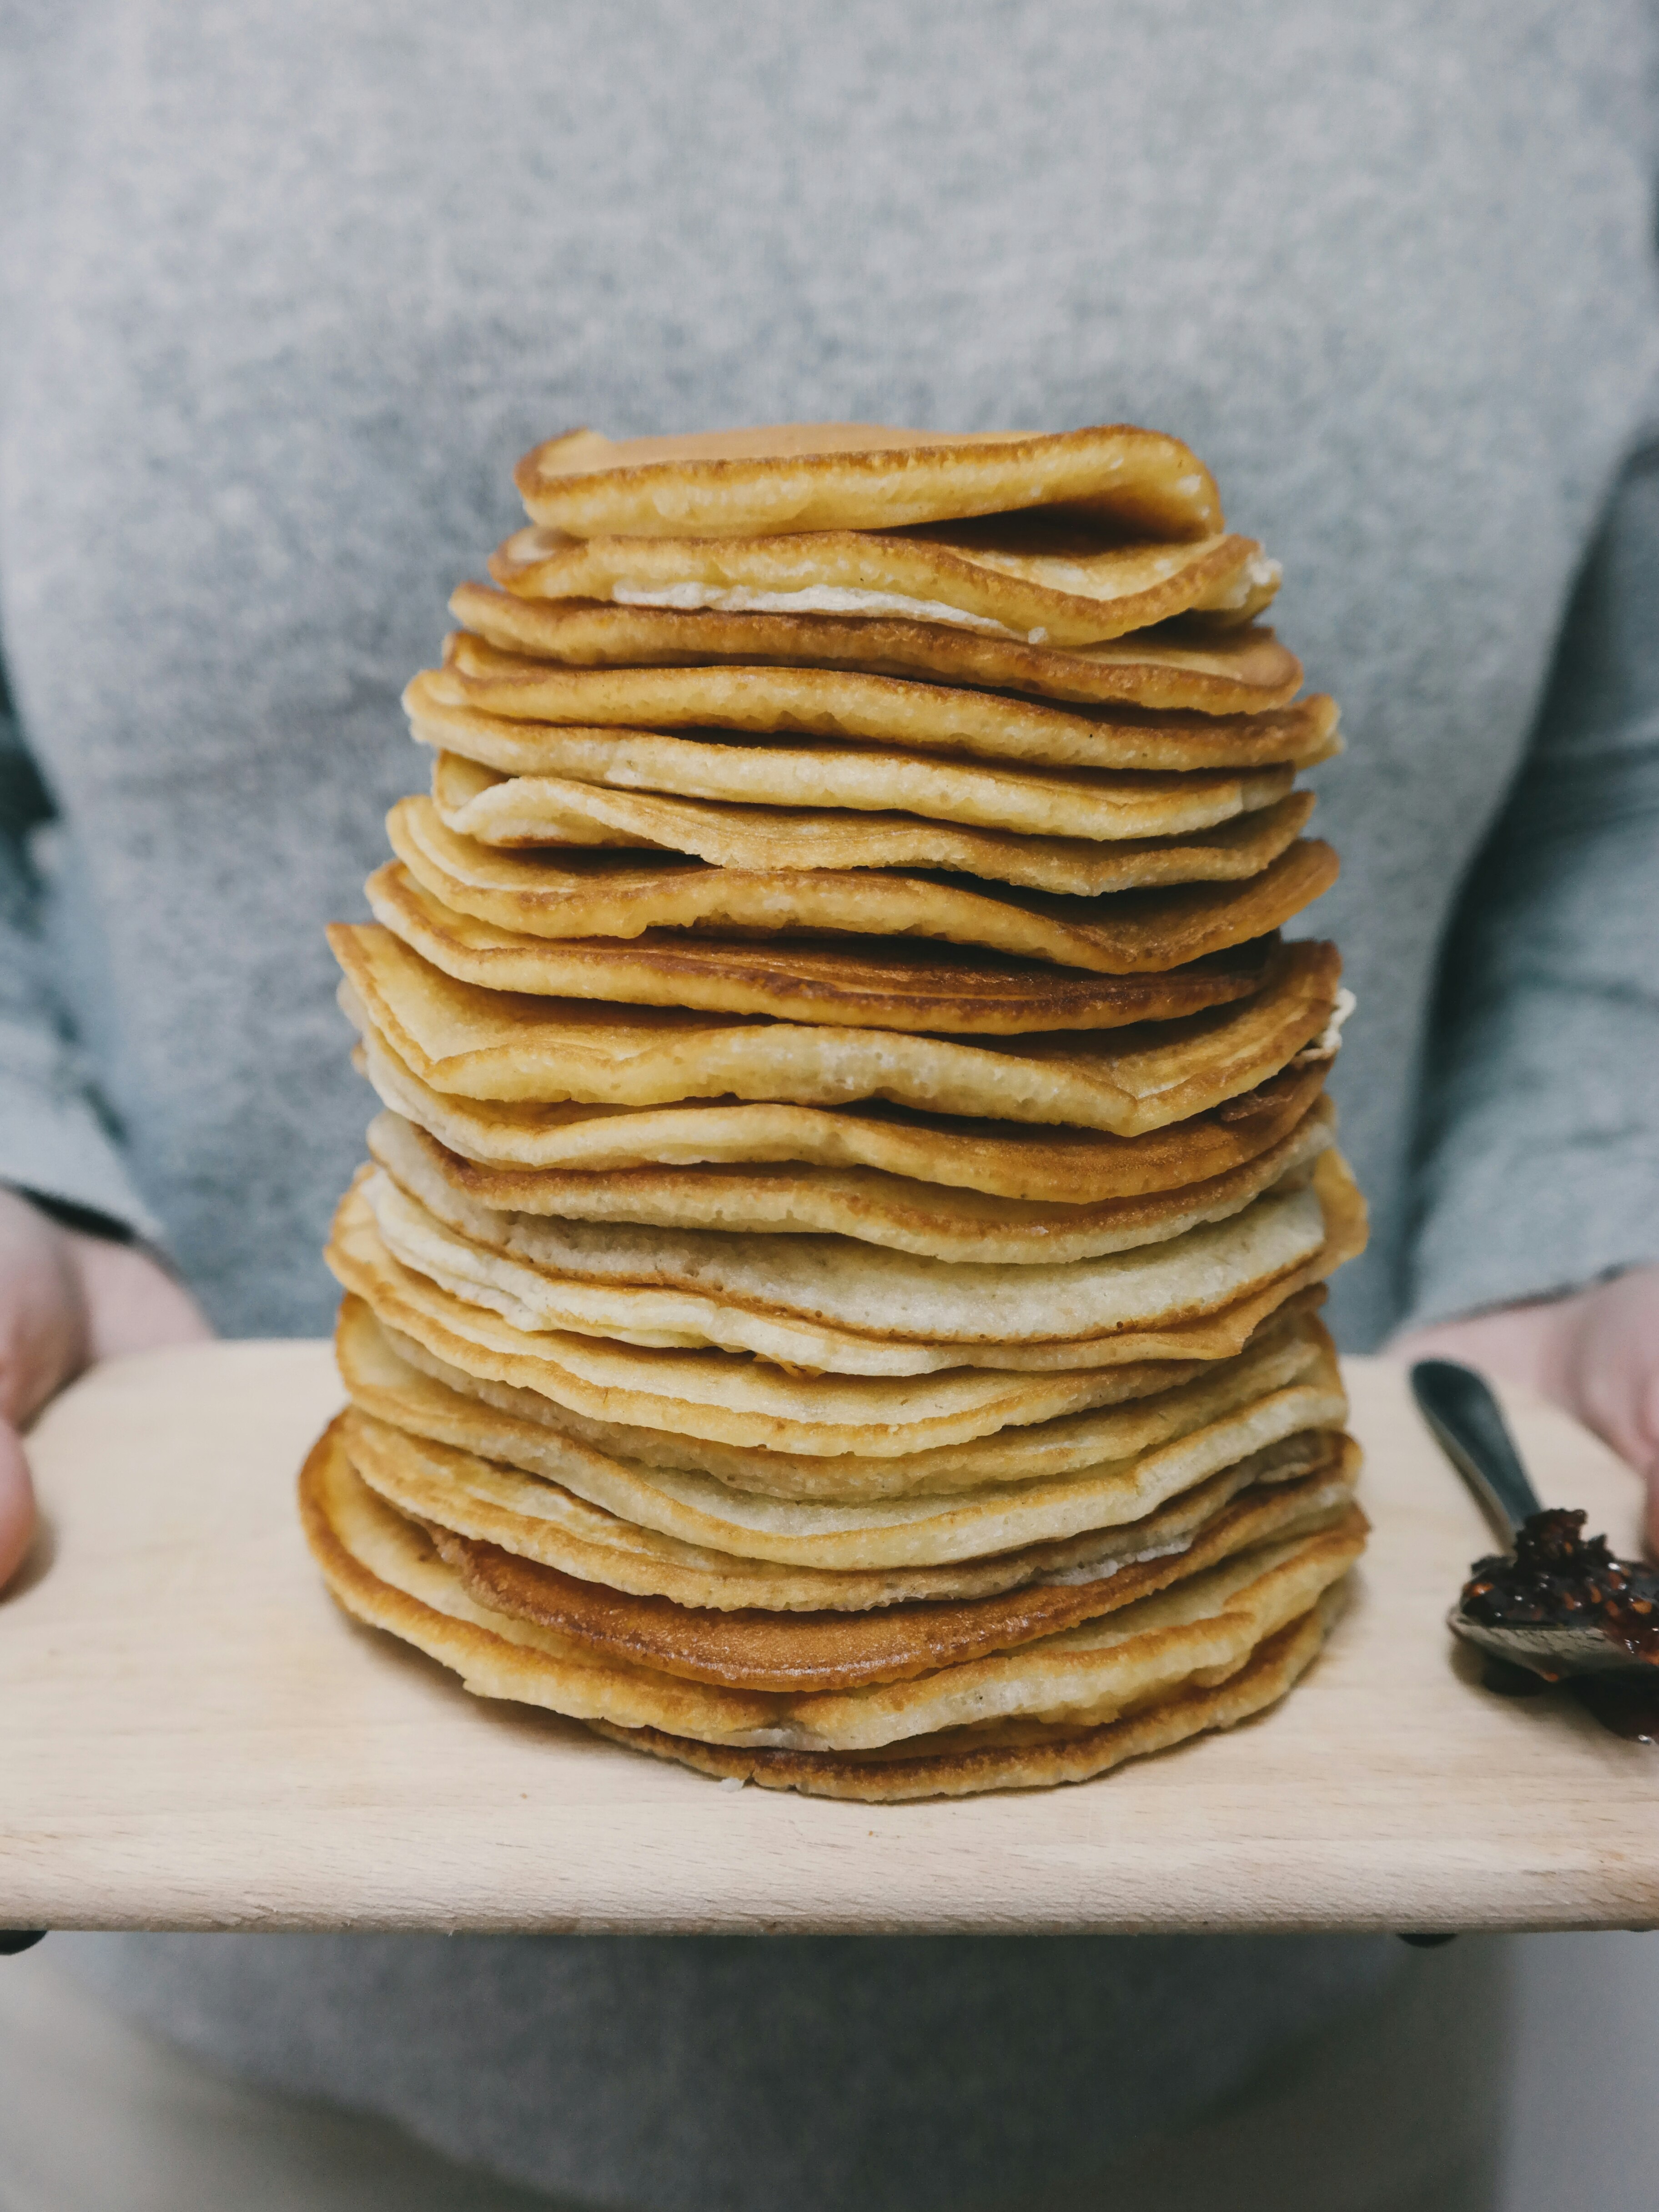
(833, 1300)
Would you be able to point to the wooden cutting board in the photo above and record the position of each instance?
(190, 1736)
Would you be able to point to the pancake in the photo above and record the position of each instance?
(398, 1381)
(849, 704)
(755, 1649)
(463, 1499)
(472, 1043)
(888, 986)
(1075, 804)
(833, 1305)
(1170, 669)
(910, 1529)
(512, 1456)
(1012, 1755)
(863, 476)
(749, 1150)
(475, 803)
(1021, 575)
(1205, 1626)
(756, 1402)
(927, 1219)
(631, 896)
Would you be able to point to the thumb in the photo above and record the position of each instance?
(16, 1504)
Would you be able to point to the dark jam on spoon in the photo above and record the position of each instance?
(1559, 1578)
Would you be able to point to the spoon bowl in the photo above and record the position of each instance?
(1464, 1417)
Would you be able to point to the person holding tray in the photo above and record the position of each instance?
(279, 300)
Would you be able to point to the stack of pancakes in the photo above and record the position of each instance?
(834, 1299)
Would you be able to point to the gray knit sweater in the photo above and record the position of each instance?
(287, 287)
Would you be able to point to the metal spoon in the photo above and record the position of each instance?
(1463, 1414)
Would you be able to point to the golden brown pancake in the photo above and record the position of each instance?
(1204, 1627)
(633, 896)
(889, 985)
(863, 476)
(452, 1485)
(833, 1305)
(1020, 575)
(723, 1151)
(478, 1043)
(1229, 673)
(1011, 1755)
(929, 1219)
(754, 1649)
(848, 704)
(755, 767)
(754, 1403)
(529, 811)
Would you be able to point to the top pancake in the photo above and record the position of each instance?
(850, 704)
(863, 476)
(1238, 671)
(1018, 576)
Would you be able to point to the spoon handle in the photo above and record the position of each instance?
(1463, 1414)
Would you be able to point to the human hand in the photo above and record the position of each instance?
(1596, 1353)
(65, 1301)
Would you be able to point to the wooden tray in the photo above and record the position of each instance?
(190, 1736)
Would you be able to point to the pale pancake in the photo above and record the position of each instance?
(453, 1492)
(425, 1449)
(1232, 672)
(1205, 1628)
(863, 476)
(832, 1304)
(928, 1219)
(927, 1527)
(750, 770)
(755, 1403)
(881, 985)
(399, 1380)
(849, 705)
(472, 1043)
(1023, 576)
(757, 1649)
(398, 1447)
(475, 803)
(631, 896)
(1011, 1755)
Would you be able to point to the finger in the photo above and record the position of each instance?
(132, 1304)
(16, 1504)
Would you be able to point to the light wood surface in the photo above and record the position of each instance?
(191, 1737)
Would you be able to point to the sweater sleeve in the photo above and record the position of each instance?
(1538, 1161)
(58, 1139)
